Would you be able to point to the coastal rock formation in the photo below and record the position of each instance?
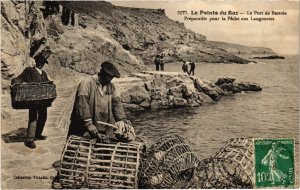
(238, 49)
(160, 90)
(145, 32)
(270, 57)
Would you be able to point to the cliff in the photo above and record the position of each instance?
(145, 32)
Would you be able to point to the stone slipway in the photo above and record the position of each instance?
(18, 161)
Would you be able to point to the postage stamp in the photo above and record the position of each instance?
(274, 162)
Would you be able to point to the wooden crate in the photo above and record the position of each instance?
(86, 163)
(24, 96)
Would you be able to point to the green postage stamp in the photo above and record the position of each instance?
(274, 162)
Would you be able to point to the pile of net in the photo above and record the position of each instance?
(168, 163)
(231, 167)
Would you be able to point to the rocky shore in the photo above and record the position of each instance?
(159, 90)
(269, 57)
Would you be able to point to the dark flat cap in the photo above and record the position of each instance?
(41, 58)
(110, 69)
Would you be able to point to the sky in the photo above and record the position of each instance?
(281, 34)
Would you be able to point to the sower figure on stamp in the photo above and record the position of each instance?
(270, 161)
(37, 113)
(96, 101)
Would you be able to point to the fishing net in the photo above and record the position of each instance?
(168, 163)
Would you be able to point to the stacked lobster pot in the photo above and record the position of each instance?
(87, 163)
(168, 163)
(231, 167)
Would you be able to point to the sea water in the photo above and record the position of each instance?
(273, 112)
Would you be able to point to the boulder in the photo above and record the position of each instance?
(248, 86)
(139, 97)
(157, 83)
(157, 94)
(145, 104)
(154, 105)
(176, 91)
(180, 102)
(205, 98)
(188, 90)
(229, 87)
(173, 82)
(225, 80)
(133, 107)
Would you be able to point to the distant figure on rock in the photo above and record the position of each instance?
(192, 69)
(161, 63)
(157, 62)
(37, 113)
(185, 67)
(97, 101)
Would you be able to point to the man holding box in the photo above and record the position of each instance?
(37, 113)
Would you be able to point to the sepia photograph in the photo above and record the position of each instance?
(150, 94)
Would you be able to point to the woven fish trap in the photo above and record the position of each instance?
(169, 163)
(240, 151)
(231, 167)
(86, 163)
(219, 173)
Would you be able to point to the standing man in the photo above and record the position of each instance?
(37, 113)
(185, 67)
(192, 70)
(161, 62)
(96, 100)
(157, 62)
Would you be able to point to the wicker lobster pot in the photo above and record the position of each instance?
(86, 163)
(24, 96)
(169, 163)
(231, 167)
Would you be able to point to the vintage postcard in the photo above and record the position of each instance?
(149, 94)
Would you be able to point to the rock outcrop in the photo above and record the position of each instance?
(269, 57)
(145, 32)
(160, 90)
(238, 49)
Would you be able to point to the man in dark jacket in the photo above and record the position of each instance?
(157, 62)
(37, 113)
(97, 101)
(192, 70)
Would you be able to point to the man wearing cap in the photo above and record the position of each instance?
(37, 114)
(96, 100)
